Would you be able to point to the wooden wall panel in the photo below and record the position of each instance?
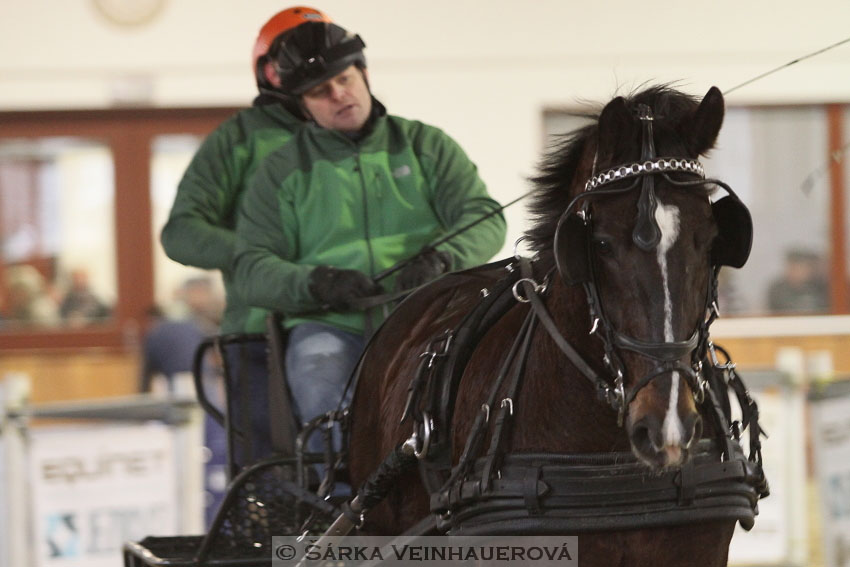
(762, 352)
(62, 376)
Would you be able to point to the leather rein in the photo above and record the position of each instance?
(490, 490)
(720, 483)
(476, 478)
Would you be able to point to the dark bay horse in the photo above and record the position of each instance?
(627, 245)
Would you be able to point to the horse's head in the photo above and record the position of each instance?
(638, 231)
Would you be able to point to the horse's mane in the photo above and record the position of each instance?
(565, 158)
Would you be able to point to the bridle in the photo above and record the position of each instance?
(486, 488)
(574, 230)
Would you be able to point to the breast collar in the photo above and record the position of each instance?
(551, 492)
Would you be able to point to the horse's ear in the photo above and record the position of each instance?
(614, 122)
(702, 128)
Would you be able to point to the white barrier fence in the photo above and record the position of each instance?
(830, 435)
(114, 470)
(70, 495)
(779, 537)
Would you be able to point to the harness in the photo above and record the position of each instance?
(498, 492)
(494, 491)
(572, 257)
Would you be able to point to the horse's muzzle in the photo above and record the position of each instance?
(664, 443)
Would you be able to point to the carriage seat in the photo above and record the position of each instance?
(279, 428)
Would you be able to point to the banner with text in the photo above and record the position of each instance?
(95, 487)
(830, 421)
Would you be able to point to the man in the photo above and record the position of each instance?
(200, 227)
(802, 288)
(355, 192)
(80, 306)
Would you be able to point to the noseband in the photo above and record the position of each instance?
(665, 356)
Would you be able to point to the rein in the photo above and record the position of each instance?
(501, 492)
(646, 235)
(497, 492)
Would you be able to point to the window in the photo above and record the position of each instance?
(767, 156)
(79, 195)
(57, 230)
(783, 162)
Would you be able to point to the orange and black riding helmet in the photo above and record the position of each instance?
(281, 22)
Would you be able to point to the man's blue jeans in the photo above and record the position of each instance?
(319, 361)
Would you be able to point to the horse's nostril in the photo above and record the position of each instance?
(640, 438)
(644, 435)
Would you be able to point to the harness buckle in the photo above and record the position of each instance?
(617, 398)
(715, 308)
(427, 429)
(510, 404)
(536, 288)
(486, 409)
(516, 247)
(728, 365)
(432, 353)
(735, 429)
(701, 383)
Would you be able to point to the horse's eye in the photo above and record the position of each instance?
(603, 246)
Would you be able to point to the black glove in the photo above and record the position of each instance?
(423, 269)
(336, 288)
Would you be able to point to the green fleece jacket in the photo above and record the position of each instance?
(200, 227)
(365, 205)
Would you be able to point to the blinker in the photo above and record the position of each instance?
(734, 238)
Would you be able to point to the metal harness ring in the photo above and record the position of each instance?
(538, 288)
(427, 428)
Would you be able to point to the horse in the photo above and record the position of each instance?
(608, 372)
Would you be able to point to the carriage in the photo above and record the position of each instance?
(574, 392)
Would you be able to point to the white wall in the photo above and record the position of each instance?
(481, 69)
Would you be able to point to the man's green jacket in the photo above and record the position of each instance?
(325, 199)
(200, 227)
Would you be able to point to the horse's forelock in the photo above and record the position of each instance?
(556, 182)
(666, 102)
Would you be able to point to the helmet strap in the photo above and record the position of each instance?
(261, 75)
(271, 76)
(291, 103)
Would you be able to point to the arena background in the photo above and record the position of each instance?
(500, 77)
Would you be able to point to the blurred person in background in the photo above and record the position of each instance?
(168, 354)
(803, 287)
(168, 349)
(170, 342)
(28, 298)
(198, 299)
(80, 306)
(200, 228)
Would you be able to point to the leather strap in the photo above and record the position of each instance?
(659, 351)
(545, 317)
(599, 492)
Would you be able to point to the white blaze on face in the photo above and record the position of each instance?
(667, 217)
